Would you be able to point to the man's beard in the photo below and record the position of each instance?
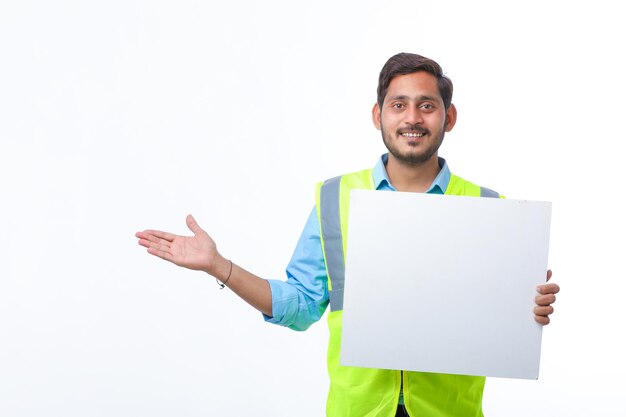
(413, 158)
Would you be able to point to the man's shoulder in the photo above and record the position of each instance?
(364, 175)
(461, 186)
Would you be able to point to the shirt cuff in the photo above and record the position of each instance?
(283, 295)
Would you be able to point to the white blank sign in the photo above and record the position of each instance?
(444, 283)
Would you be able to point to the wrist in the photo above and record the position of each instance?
(222, 269)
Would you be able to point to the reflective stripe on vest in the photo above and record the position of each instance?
(330, 222)
(486, 192)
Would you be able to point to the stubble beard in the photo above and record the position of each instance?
(410, 158)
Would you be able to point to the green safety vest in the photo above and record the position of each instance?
(365, 392)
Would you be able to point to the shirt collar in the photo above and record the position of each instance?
(439, 185)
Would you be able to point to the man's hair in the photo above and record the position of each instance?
(406, 63)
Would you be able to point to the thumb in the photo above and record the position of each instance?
(193, 225)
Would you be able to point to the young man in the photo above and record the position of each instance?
(414, 110)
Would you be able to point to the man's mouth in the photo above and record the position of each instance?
(413, 134)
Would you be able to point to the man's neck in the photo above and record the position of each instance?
(412, 178)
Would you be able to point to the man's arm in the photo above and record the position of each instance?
(546, 295)
(199, 252)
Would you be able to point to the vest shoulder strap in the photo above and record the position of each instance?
(333, 204)
(460, 186)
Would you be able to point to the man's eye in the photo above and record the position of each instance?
(397, 105)
(427, 106)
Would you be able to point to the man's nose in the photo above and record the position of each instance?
(413, 115)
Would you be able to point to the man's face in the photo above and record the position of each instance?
(413, 120)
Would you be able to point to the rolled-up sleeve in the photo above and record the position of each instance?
(302, 299)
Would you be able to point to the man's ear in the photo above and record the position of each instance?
(376, 116)
(450, 118)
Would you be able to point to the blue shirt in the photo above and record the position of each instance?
(302, 299)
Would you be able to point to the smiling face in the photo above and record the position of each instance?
(413, 119)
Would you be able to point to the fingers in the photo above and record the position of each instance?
(193, 225)
(546, 292)
(546, 296)
(548, 289)
(160, 246)
(545, 300)
(156, 245)
(542, 313)
(163, 254)
(543, 310)
(149, 239)
(151, 234)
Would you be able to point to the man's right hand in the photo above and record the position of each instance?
(197, 252)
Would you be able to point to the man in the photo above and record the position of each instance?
(413, 111)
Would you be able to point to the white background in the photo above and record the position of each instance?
(123, 115)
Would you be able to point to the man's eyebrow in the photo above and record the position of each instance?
(419, 98)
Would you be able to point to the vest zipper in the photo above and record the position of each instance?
(401, 398)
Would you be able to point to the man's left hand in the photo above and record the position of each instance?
(546, 295)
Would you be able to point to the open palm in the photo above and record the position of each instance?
(197, 252)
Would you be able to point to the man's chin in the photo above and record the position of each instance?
(409, 158)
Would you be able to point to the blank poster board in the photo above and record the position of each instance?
(444, 283)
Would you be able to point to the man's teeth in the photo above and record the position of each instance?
(413, 135)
